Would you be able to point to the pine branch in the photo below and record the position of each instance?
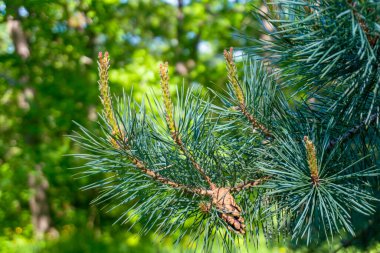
(234, 80)
(352, 131)
(106, 100)
(215, 160)
(324, 49)
(140, 165)
(319, 206)
(170, 121)
(221, 198)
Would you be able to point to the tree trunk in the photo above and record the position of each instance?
(38, 203)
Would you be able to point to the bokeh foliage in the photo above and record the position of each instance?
(44, 91)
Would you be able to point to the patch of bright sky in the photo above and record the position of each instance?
(175, 2)
(23, 12)
(157, 44)
(186, 2)
(191, 35)
(131, 38)
(10, 49)
(238, 55)
(205, 47)
(3, 8)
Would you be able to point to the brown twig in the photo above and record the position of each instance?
(254, 122)
(363, 25)
(172, 127)
(156, 176)
(221, 197)
(249, 184)
(352, 131)
(197, 166)
(234, 80)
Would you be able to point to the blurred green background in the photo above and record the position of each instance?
(48, 79)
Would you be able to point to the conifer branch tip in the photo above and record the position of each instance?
(311, 154)
(105, 97)
(238, 91)
(170, 121)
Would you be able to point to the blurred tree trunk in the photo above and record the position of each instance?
(38, 202)
(37, 182)
(18, 37)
